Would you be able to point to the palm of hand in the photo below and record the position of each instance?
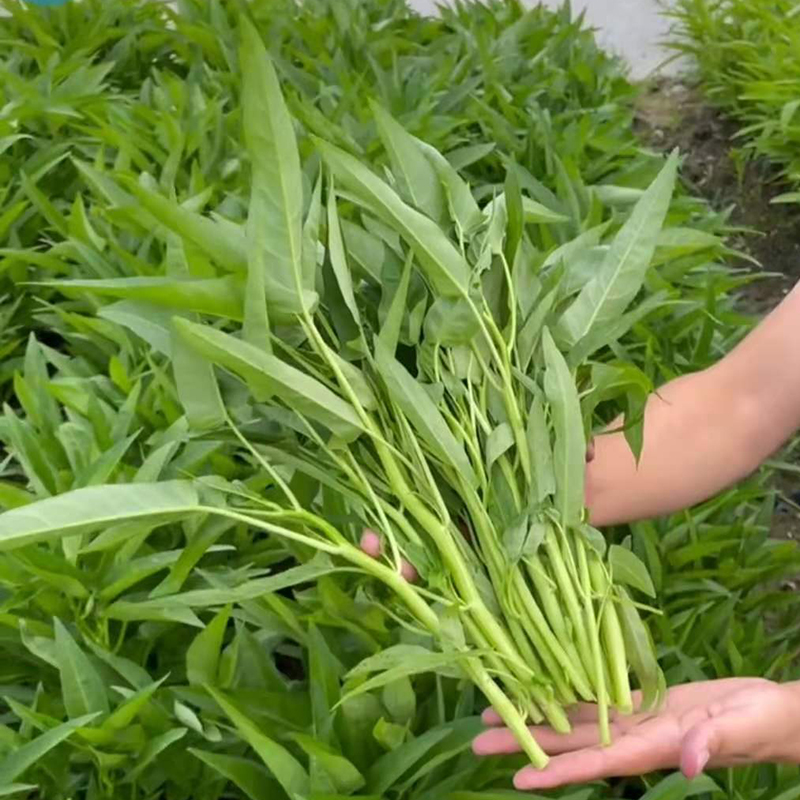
(712, 723)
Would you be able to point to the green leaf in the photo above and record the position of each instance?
(276, 193)
(391, 667)
(16, 788)
(523, 538)
(153, 749)
(499, 441)
(344, 776)
(224, 244)
(538, 436)
(626, 568)
(464, 210)
(389, 335)
(389, 735)
(679, 787)
(622, 272)
(218, 297)
(81, 685)
(147, 321)
(251, 778)
(268, 376)
(197, 387)
(569, 454)
(451, 322)
(311, 237)
(389, 768)
(279, 761)
(416, 404)
(101, 470)
(444, 266)
(640, 651)
(400, 700)
(515, 221)
(466, 156)
(129, 670)
(202, 657)
(45, 207)
(30, 753)
(125, 714)
(417, 180)
(324, 676)
(338, 259)
(85, 509)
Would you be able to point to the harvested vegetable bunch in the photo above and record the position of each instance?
(458, 398)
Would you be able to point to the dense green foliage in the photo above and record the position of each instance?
(186, 654)
(748, 57)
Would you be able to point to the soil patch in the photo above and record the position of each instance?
(672, 113)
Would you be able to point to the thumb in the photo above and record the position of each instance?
(708, 742)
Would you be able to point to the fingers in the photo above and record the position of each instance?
(709, 741)
(629, 755)
(372, 544)
(500, 741)
(491, 718)
(590, 451)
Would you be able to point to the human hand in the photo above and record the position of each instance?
(720, 723)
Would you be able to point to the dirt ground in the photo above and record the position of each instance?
(671, 113)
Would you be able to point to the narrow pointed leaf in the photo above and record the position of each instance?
(91, 507)
(416, 177)
(569, 454)
(276, 198)
(219, 297)
(338, 259)
(268, 376)
(253, 779)
(83, 689)
(444, 266)
(279, 761)
(17, 761)
(622, 272)
(202, 657)
(423, 414)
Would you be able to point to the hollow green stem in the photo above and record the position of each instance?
(508, 712)
(614, 643)
(594, 638)
(570, 599)
(546, 589)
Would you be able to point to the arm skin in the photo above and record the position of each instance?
(706, 431)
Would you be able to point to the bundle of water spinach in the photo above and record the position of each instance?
(409, 361)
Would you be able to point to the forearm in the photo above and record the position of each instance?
(693, 448)
(705, 431)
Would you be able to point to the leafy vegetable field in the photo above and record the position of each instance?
(748, 59)
(274, 273)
